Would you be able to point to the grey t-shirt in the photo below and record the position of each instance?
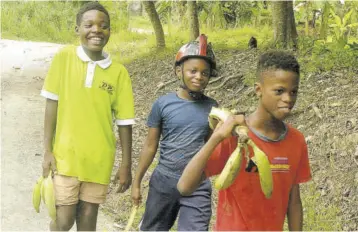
(184, 127)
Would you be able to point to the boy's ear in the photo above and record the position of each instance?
(258, 89)
(178, 71)
(214, 73)
(76, 29)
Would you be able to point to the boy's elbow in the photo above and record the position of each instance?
(183, 190)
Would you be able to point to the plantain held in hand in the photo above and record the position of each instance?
(232, 167)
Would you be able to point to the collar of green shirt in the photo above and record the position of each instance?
(105, 63)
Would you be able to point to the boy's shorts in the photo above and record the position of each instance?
(69, 190)
(164, 204)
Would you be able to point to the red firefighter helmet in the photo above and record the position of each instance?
(198, 48)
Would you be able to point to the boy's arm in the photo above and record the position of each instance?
(295, 212)
(49, 132)
(145, 159)
(193, 173)
(51, 91)
(124, 175)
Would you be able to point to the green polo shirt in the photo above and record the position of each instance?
(91, 96)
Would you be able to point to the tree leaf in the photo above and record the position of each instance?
(336, 18)
(347, 17)
(353, 25)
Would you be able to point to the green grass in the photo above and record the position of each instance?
(129, 46)
(37, 21)
(140, 22)
(238, 37)
(317, 214)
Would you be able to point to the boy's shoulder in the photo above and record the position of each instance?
(166, 97)
(295, 133)
(63, 54)
(172, 97)
(67, 49)
(119, 66)
(211, 100)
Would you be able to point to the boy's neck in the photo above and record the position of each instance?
(94, 55)
(184, 94)
(266, 125)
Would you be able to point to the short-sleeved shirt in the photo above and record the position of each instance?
(184, 128)
(91, 95)
(243, 206)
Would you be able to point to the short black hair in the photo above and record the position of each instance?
(276, 59)
(90, 6)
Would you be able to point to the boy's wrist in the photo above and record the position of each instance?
(126, 160)
(126, 165)
(136, 182)
(216, 139)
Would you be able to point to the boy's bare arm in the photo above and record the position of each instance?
(124, 175)
(145, 159)
(295, 212)
(147, 154)
(193, 173)
(49, 132)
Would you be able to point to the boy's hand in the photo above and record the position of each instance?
(136, 195)
(124, 178)
(49, 163)
(225, 129)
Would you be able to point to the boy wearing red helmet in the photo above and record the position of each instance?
(181, 119)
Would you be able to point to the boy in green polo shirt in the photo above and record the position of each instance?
(85, 92)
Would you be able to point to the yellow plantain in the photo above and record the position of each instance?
(218, 115)
(232, 167)
(247, 154)
(230, 171)
(264, 168)
(36, 194)
(131, 218)
(50, 196)
(43, 191)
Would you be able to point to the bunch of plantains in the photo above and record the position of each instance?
(232, 167)
(44, 189)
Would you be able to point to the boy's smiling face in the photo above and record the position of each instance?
(277, 91)
(94, 31)
(196, 73)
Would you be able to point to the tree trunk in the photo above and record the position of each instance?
(169, 16)
(193, 20)
(285, 33)
(179, 14)
(157, 25)
(280, 23)
(292, 24)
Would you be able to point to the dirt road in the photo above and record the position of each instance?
(23, 68)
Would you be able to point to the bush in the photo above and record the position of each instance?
(320, 56)
(39, 21)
